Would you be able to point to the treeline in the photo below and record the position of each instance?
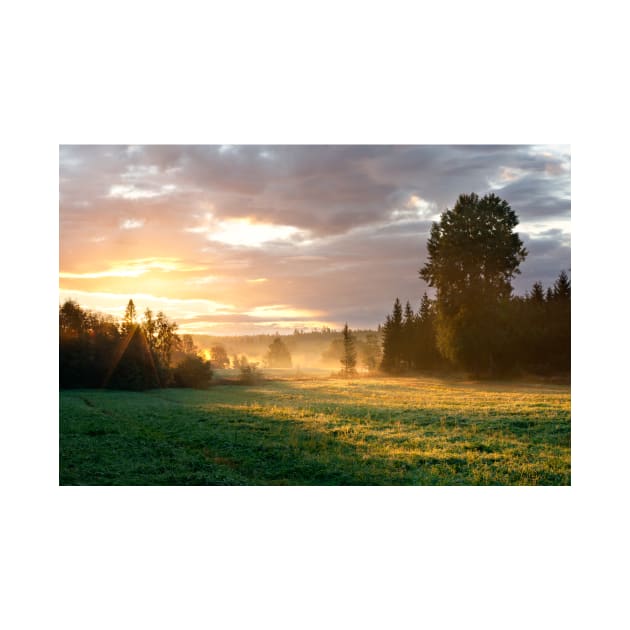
(95, 350)
(474, 322)
(526, 334)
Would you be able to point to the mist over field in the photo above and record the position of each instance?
(316, 350)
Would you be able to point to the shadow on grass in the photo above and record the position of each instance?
(199, 438)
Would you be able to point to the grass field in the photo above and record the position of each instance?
(377, 431)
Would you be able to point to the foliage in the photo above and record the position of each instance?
(473, 255)
(349, 358)
(249, 374)
(96, 351)
(278, 355)
(393, 340)
(473, 252)
(133, 364)
(219, 356)
(193, 371)
(334, 352)
(128, 323)
(370, 352)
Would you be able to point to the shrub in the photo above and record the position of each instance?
(193, 371)
(249, 373)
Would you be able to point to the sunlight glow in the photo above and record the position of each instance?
(179, 309)
(136, 267)
(245, 232)
(282, 311)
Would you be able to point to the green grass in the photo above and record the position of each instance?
(320, 432)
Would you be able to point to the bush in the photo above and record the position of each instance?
(249, 373)
(193, 371)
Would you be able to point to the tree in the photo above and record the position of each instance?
(408, 336)
(393, 339)
(219, 356)
(349, 358)
(166, 338)
(537, 294)
(333, 353)
(560, 323)
(193, 371)
(71, 319)
(129, 320)
(474, 254)
(150, 328)
(278, 355)
(562, 287)
(426, 355)
(371, 351)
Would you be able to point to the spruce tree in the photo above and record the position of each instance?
(408, 340)
(278, 355)
(562, 287)
(537, 294)
(393, 339)
(129, 319)
(349, 358)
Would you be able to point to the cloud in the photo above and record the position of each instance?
(132, 224)
(335, 229)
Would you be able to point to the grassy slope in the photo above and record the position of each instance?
(318, 432)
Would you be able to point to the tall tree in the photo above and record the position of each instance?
(278, 355)
(426, 355)
(371, 351)
(349, 358)
(408, 340)
(166, 338)
(562, 287)
(129, 319)
(537, 294)
(219, 356)
(560, 323)
(474, 254)
(393, 339)
(149, 326)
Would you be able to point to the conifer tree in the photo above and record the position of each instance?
(129, 319)
(393, 339)
(537, 294)
(349, 358)
(408, 340)
(278, 355)
(562, 287)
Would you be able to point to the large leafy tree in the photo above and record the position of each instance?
(474, 254)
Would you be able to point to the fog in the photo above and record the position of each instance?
(318, 350)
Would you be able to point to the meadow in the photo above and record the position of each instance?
(320, 431)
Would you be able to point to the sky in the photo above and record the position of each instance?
(262, 239)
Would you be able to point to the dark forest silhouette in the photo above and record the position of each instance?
(475, 322)
(531, 334)
(97, 351)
